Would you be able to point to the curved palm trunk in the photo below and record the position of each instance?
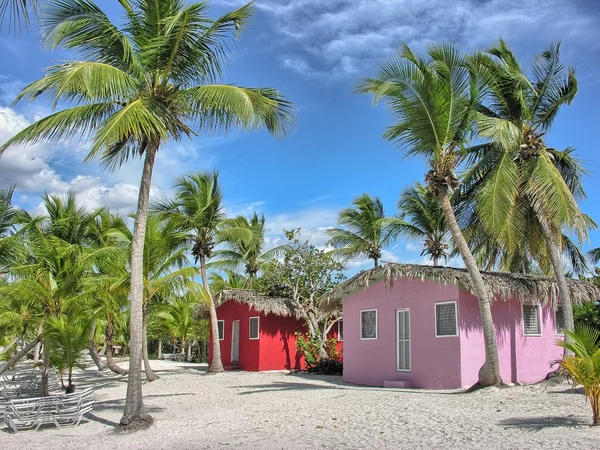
(216, 365)
(112, 365)
(9, 347)
(92, 348)
(561, 280)
(19, 355)
(135, 412)
(37, 350)
(489, 374)
(159, 356)
(150, 375)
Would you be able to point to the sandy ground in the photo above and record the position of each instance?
(286, 411)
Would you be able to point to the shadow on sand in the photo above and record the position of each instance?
(543, 422)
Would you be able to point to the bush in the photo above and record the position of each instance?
(328, 367)
(310, 348)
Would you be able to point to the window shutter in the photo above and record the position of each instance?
(369, 324)
(531, 320)
(253, 327)
(341, 330)
(445, 319)
(559, 320)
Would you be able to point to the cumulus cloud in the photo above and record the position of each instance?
(344, 37)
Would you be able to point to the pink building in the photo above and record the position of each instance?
(409, 325)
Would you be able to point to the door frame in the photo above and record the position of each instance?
(233, 341)
(398, 311)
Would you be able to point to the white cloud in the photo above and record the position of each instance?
(337, 38)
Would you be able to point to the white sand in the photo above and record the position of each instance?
(280, 411)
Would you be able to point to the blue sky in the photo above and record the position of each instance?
(314, 51)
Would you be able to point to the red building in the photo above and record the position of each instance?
(259, 333)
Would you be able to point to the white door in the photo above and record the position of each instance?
(235, 341)
(403, 344)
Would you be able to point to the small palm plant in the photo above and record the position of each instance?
(583, 363)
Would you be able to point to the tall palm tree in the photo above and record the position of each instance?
(367, 231)
(196, 210)
(139, 86)
(432, 99)
(244, 249)
(425, 222)
(528, 191)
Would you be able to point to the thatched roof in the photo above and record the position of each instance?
(504, 286)
(260, 303)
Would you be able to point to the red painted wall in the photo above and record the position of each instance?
(276, 347)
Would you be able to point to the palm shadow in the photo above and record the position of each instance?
(542, 422)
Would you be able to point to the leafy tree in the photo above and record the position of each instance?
(425, 222)
(139, 86)
(433, 101)
(527, 193)
(305, 274)
(366, 229)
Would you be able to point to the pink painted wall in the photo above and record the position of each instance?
(523, 359)
(435, 361)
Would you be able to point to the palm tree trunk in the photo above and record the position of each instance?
(92, 348)
(159, 356)
(12, 344)
(435, 261)
(559, 274)
(150, 375)
(216, 365)
(489, 374)
(38, 347)
(189, 351)
(250, 281)
(19, 355)
(135, 411)
(46, 369)
(112, 365)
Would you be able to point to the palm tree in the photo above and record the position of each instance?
(244, 249)
(426, 221)
(137, 88)
(367, 230)
(594, 255)
(18, 11)
(10, 243)
(197, 211)
(527, 191)
(178, 318)
(231, 280)
(433, 101)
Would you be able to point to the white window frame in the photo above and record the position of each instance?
(455, 318)
(539, 318)
(398, 369)
(558, 332)
(340, 322)
(257, 328)
(222, 336)
(361, 327)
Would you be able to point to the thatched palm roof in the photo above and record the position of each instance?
(504, 286)
(261, 303)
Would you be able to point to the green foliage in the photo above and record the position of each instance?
(310, 346)
(583, 365)
(68, 339)
(367, 231)
(589, 313)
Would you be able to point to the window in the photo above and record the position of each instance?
(531, 320)
(403, 334)
(559, 321)
(446, 320)
(221, 327)
(341, 330)
(368, 324)
(254, 327)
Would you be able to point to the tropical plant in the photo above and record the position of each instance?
(10, 242)
(304, 275)
(367, 231)
(594, 255)
(177, 318)
(18, 12)
(527, 191)
(244, 249)
(231, 280)
(138, 87)
(425, 222)
(582, 364)
(432, 99)
(69, 338)
(196, 211)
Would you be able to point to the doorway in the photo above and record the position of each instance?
(235, 341)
